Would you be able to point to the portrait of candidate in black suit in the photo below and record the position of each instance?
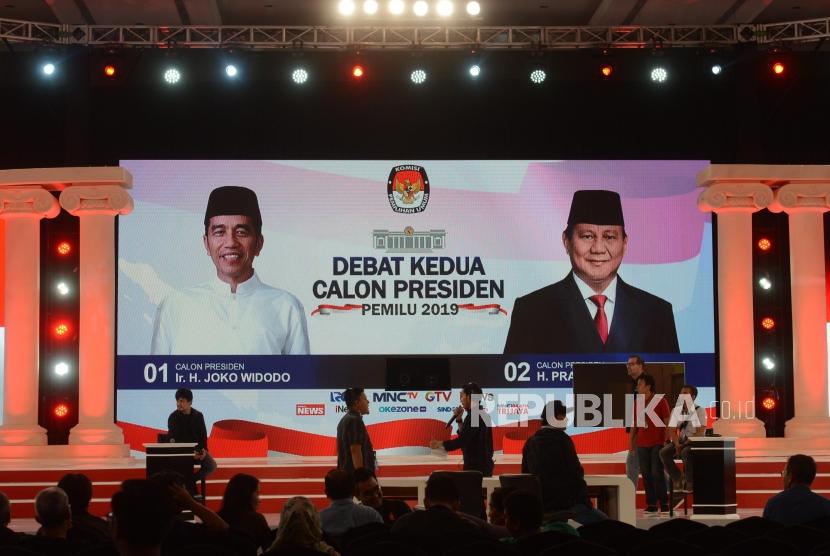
(592, 310)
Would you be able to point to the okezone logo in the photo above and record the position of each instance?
(402, 409)
(311, 409)
(408, 189)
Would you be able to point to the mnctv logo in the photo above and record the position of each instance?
(408, 189)
(311, 409)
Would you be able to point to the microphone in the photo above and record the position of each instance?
(453, 417)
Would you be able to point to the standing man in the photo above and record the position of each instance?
(649, 436)
(474, 438)
(689, 424)
(235, 313)
(354, 447)
(592, 310)
(187, 424)
(635, 367)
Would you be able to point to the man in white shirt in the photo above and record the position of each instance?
(592, 310)
(690, 420)
(234, 313)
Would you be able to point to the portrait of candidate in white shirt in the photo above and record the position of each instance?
(235, 313)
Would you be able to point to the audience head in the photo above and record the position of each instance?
(557, 410)
(5, 510)
(367, 488)
(523, 513)
(299, 525)
(495, 510)
(241, 495)
(52, 511)
(339, 484)
(441, 491)
(645, 384)
(142, 513)
(78, 488)
(800, 470)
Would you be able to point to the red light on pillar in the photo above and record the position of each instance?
(358, 72)
(61, 410)
(110, 71)
(768, 403)
(778, 68)
(767, 323)
(607, 70)
(64, 248)
(764, 244)
(61, 329)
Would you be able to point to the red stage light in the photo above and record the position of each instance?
(358, 72)
(778, 68)
(607, 70)
(64, 248)
(768, 323)
(768, 403)
(61, 410)
(61, 329)
(109, 70)
(764, 244)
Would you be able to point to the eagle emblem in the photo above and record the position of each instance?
(408, 190)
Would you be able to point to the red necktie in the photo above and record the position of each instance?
(600, 320)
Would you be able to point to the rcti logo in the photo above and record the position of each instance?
(336, 397)
(408, 189)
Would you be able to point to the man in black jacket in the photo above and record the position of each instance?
(551, 456)
(475, 437)
(186, 424)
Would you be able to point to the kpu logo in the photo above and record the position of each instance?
(408, 189)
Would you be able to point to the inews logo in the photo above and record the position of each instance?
(311, 409)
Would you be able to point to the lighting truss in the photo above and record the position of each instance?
(404, 37)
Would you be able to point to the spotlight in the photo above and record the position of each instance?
(538, 76)
(370, 7)
(61, 329)
(358, 72)
(765, 283)
(768, 363)
(659, 75)
(396, 7)
(767, 323)
(63, 288)
(764, 244)
(475, 70)
(110, 71)
(717, 69)
(61, 410)
(444, 8)
(778, 68)
(607, 70)
(64, 248)
(768, 402)
(61, 368)
(418, 76)
(473, 8)
(346, 7)
(420, 8)
(299, 76)
(48, 69)
(231, 71)
(172, 76)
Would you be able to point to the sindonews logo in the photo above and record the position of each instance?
(311, 409)
(408, 189)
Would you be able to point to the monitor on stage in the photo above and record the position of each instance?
(268, 287)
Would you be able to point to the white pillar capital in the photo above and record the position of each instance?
(802, 197)
(27, 202)
(735, 197)
(80, 200)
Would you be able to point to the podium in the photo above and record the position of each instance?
(715, 492)
(171, 456)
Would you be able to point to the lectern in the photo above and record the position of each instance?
(171, 456)
(713, 466)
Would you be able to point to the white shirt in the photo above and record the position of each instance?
(689, 429)
(208, 319)
(610, 293)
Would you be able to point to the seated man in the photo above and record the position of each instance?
(344, 514)
(187, 424)
(523, 514)
(142, 515)
(85, 526)
(369, 493)
(550, 455)
(7, 536)
(797, 504)
(689, 424)
(55, 518)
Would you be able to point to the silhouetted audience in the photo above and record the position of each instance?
(797, 503)
(55, 518)
(523, 514)
(85, 526)
(368, 491)
(495, 509)
(239, 505)
(300, 528)
(143, 514)
(7, 536)
(343, 513)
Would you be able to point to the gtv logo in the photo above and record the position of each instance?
(387, 397)
(437, 396)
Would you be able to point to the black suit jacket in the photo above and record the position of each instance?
(555, 319)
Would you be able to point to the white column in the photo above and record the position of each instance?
(805, 205)
(96, 206)
(734, 204)
(22, 209)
